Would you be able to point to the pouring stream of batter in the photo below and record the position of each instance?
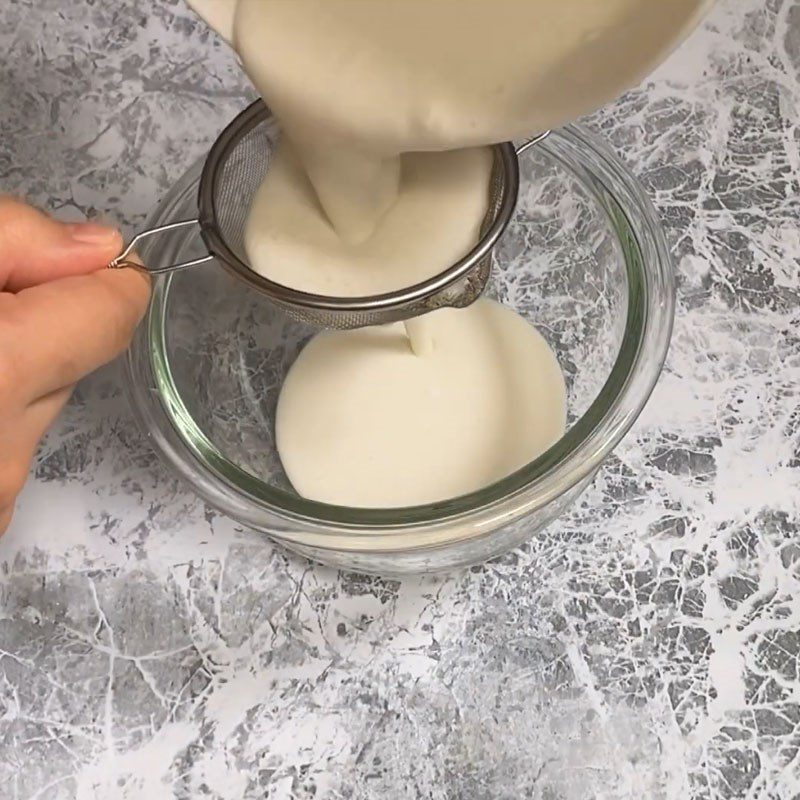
(380, 181)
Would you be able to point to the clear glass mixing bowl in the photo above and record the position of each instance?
(584, 260)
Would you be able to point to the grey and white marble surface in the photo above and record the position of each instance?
(646, 646)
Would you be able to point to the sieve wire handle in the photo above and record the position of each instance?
(124, 260)
(528, 143)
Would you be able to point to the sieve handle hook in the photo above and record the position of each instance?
(124, 258)
(528, 143)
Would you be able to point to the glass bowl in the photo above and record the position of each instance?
(584, 260)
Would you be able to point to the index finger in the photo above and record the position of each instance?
(53, 334)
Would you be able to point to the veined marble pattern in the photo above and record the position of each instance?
(646, 646)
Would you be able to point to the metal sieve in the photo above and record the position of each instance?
(234, 170)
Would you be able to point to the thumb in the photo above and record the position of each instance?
(35, 249)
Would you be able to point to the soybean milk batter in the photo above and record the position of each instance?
(381, 180)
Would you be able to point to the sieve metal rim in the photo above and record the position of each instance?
(258, 113)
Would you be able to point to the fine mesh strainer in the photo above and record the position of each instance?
(233, 172)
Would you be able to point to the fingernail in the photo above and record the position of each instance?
(92, 233)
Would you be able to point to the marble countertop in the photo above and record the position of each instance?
(646, 646)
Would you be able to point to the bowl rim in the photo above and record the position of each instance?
(572, 460)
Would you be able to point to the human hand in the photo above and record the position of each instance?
(61, 316)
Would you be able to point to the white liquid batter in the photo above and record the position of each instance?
(396, 429)
(362, 198)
